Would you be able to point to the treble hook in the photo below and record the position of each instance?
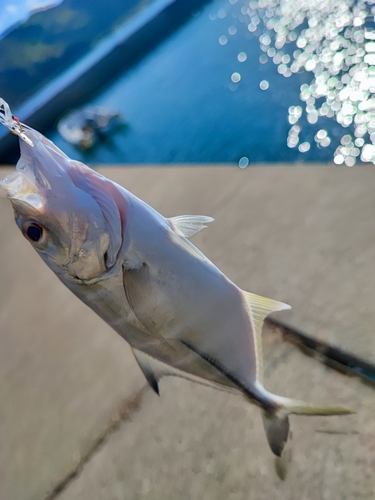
(18, 123)
(10, 121)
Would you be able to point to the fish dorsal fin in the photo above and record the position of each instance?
(188, 225)
(259, 308)
(154, 369)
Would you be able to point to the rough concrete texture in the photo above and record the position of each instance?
(301, 235)
(196, 443)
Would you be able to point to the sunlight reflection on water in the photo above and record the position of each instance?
(334, 40)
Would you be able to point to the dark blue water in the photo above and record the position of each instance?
(181, 105)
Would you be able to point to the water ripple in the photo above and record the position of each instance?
(334, 40)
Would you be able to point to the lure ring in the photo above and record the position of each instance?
(20, 128)
(12, 122)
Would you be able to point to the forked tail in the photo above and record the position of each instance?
(275, 418)
(276, 424)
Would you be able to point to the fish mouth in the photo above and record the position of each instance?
(19, 189)
(21, 186)
(37, 170)
(27, 187)
(42, 166)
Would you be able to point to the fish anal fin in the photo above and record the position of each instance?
(259, 308)
(155, 369)
(188, 225)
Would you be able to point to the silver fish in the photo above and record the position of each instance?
(140, 273)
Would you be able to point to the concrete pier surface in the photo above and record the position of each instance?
(74, 420)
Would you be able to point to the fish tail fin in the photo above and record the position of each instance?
(276, 408)
(276, 423)
(277, 431)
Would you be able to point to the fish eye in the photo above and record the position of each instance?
(33, 231)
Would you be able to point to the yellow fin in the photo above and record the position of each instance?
(259, 308)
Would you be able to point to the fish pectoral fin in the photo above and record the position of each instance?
(140, 294)
(188, 225)
(144, 294)
(259, 308)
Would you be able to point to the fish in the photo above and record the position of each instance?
(139, 271)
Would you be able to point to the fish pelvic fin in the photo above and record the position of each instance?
(145, 364)
(259, 308)
(276, 423)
